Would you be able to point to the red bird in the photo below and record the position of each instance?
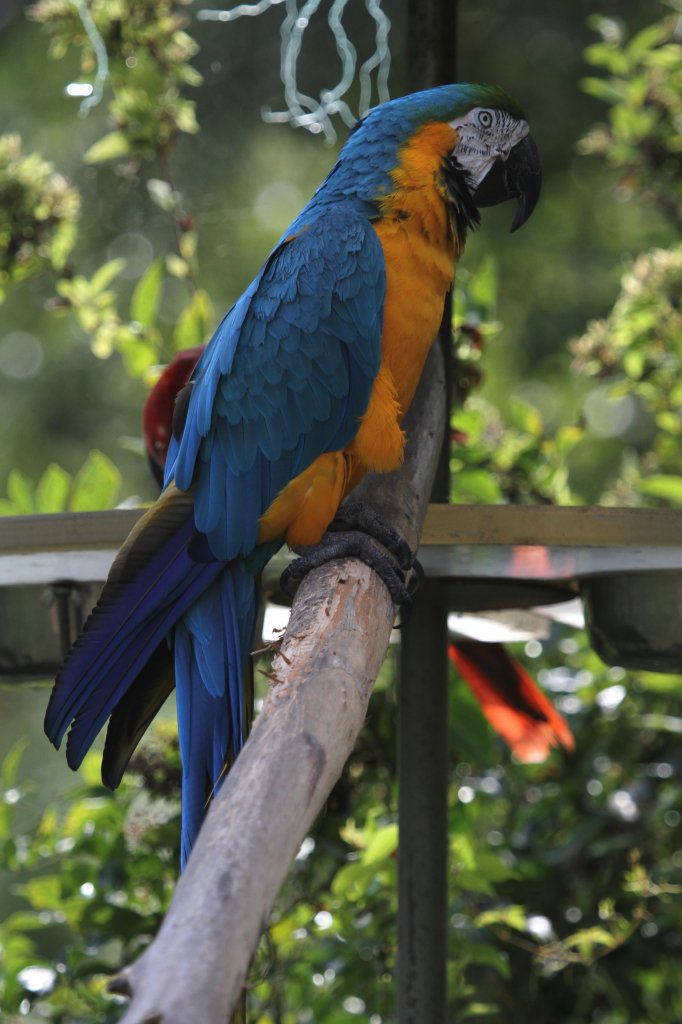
(157, 416)
(513, 704)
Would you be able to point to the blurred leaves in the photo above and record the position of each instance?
(643, 89)
(195, 322)
(144, 304)
(39, 212)
(632, 416)
(96, 486)
(147, 52)
(95, 877)
(143, 51)
(517, 458)
(139, 339)
(636, 352)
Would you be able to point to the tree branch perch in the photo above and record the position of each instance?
(322, 678)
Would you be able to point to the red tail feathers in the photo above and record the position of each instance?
(513, 704)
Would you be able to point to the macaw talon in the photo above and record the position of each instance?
(355, 515)
(416, 576)
(351, 544)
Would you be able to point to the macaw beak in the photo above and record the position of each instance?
(518, 177)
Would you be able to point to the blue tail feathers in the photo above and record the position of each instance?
(212, 645)
(158, 588)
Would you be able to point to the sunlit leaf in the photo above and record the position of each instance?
(96, 485)
(53, 489)
(105, 275)
(145, 301)
(462, 853)
(195, 322)
(659, 682)
(600, 89)
(11, 762)
(161, 192)
(514, 916)
(383, 843)
(20, 494)
(63, 243)
(109, 147)
(586, 939)
(43, 891)
(669, 488)
(91, 769)
(188, 245)
(478, 1010)
(526, 417)
(477, 485)
(176, 266)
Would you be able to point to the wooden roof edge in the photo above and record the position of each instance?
(446, 525)
(552, 526)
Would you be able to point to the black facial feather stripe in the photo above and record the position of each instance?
(461, 207)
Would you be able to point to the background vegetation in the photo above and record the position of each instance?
(123, 236)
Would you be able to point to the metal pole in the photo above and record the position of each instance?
(422, 808)
(431, 59)
(423, 695)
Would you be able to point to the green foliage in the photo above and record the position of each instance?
(38, 214)
(148, 53)
(138, 338)
(143, 51)
(636, 354)
(195, 321)
(564, 877)
(95, 306)
(632, 357)
(95, 486)
(518, 458)
(93, 878)
(643, 90)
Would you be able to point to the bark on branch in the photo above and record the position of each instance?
(321, 683)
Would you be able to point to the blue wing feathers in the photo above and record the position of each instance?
(285, 378)
(304, 347)
(127, 626)
(113, 615)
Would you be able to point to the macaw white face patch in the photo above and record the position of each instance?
(485, 135)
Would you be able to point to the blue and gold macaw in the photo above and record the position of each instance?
(300, 392)
(510, 699)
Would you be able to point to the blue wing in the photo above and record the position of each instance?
(285, 378)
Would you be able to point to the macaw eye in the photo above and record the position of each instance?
(485, 119)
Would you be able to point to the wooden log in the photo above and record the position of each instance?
(321, 682)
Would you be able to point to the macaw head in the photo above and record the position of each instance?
(486, 153)
(497, 153)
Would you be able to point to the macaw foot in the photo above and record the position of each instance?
(352, 534)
